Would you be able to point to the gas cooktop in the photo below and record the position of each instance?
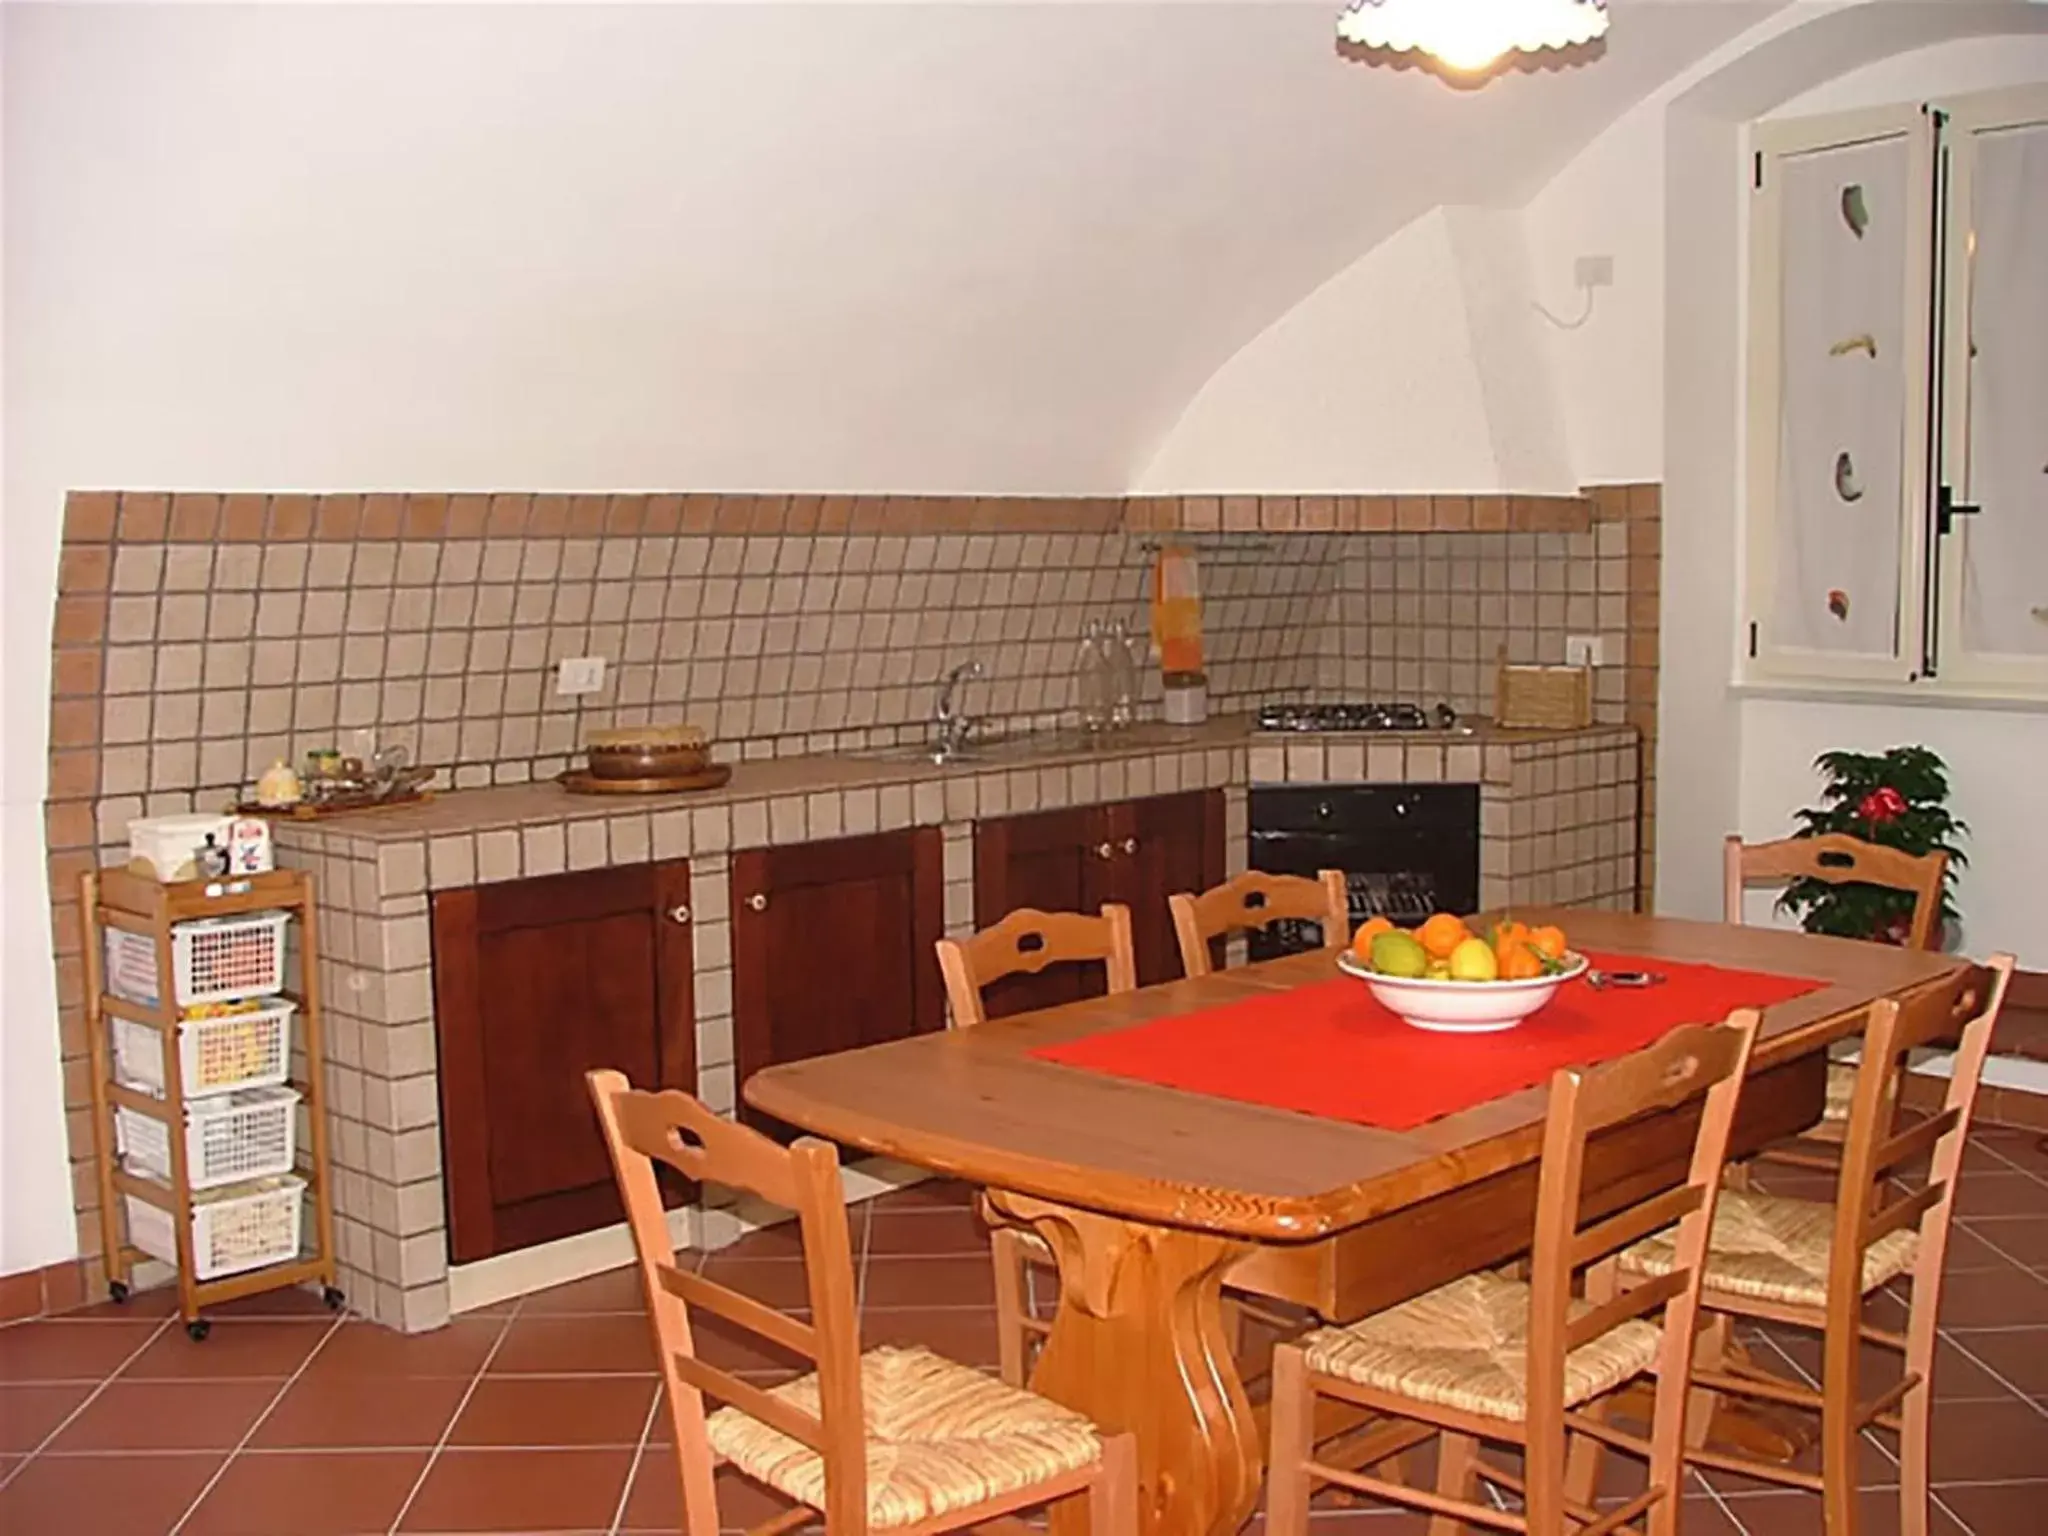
(1357, 717)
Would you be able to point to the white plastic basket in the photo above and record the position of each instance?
(229, 1137)
(231, 1232)
(215, 1055)
(216, 960)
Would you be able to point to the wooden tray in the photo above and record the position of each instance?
(580, 781)
(306, 810)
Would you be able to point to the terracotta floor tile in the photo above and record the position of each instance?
(731, 1348)
(2020, 1355)
(103, 1496)
(364, 1349)
(167, 1416)
(1956, 1374)
(927, 1229)
(254, 1348)
(159, 1301)
(1998, 1509)
(775, 1282)
(781, 1241)
(1792, 1513)
(616, 1290)
(556, 1345)
(1968, 1250)
(1979, 1442)
(362, 1411)
(1993, 1298)
(527, 1491)
(2021, 1238)
(967, 1336)
(29, 1413)
(60, 1350)
(555, 1411)
(656, 1502)
(2001, 1194)
(954, 1280)
(355, 1493)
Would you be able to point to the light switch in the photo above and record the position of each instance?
(579, 674)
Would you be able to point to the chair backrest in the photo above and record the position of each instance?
(641, 1129)
(1252, 900)
(1876, 1150)
(1026, 942)
(1695, 1061)
(1839, 859)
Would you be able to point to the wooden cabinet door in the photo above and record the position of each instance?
(535, 982)
(833, 947)
(1051, 860)
(1162, 844)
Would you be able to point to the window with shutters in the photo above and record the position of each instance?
(1897, 457)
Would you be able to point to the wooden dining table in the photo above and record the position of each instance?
(1151, 1197)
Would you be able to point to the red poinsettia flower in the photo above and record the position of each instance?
(1881, 805)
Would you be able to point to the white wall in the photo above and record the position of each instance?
(1731, 760)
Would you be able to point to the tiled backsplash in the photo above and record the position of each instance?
(199, 637)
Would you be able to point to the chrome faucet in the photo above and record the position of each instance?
(950, 723)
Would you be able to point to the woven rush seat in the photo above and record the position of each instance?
(1466, 1345)
(1773, 1248)
(940, 1437)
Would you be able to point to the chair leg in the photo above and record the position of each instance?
(1013, 1345)
(1838, 1467)
(1709, 1354)
(1293, 1412)
(1113, 1496)
(1457, 1459)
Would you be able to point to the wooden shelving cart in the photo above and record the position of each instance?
(194, 1107)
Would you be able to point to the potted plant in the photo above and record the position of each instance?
(1898, 798)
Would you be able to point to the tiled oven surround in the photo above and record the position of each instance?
(1558, 824)
(198, 637)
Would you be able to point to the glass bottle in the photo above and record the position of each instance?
(1091, 675)
(1123, 675)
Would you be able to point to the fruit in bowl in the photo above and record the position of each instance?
(1443, 977)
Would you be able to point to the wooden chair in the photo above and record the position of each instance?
(1252, 900)
(1812, 1264)
(1025, 942)
(1487, 1358)
(1838, 859)
(892, 1440)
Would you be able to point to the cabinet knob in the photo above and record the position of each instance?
(679, 914)
(758, 902)
(1104, 850)
(1130, 845)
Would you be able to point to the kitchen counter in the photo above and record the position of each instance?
(1270, 757)
(1558, 817)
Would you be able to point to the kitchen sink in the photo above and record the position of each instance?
(989, 749)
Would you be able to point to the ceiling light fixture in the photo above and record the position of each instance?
(1469, 36)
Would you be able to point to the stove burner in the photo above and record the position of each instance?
(1355, 717)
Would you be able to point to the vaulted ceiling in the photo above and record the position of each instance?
(931, 246)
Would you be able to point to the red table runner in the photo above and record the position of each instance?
(1330, 1049)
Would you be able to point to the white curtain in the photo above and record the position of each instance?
(1842, 448)
(2005, 549)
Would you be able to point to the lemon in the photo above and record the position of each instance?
(1397, 954)
(1474, 960)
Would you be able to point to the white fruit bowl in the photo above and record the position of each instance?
(1463, 1007)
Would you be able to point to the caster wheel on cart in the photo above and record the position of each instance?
(199, 1328)
(333, 1297)
(117, 1292)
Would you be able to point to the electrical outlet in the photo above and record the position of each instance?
(1593, 271)
(1582, 650)
(579, 674)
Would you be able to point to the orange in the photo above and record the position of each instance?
(1518, 962)
(1507, 933)
(1549, 942)
(1442, 934)
(1361, 941)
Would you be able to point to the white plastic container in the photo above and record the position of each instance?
(215, 1055)
(232, 1231)
(168, 845)
(217, 960)
(228, 1138)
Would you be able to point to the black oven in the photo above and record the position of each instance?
(1406, 850)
